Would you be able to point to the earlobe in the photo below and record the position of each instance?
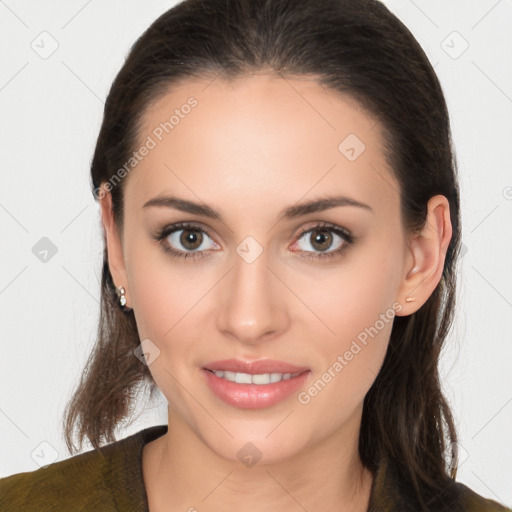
(426, 255)
(112, 241)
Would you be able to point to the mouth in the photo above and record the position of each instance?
(255, 384)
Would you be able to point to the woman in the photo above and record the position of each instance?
(281, 220)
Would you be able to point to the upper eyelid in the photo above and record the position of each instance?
(327, 226)
(179, 226)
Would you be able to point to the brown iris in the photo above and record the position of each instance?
(191, 237)
(322, 238)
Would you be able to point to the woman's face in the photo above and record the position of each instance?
(256, 284)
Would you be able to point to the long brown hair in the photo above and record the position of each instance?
(356, 47)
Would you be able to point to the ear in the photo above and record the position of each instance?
(113, 241)
(425, 257)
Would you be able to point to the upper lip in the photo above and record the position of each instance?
(255, 367)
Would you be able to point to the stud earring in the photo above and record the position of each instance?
(409, 299)
(121, 294)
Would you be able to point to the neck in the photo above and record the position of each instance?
(182, 473)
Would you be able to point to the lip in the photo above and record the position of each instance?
(253, 396)
(254, 367)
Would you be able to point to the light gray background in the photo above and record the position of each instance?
(51, 107)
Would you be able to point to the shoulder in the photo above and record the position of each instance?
(392, 493)
(470, 501)
(108, 479)
(76, 483)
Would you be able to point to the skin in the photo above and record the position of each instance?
(249, 149)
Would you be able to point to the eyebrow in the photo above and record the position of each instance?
(291, 212)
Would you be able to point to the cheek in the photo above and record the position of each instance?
(355, 306)
(163, 293)
(165, 313)
(352, 360)
(168, 305)
(350, 298)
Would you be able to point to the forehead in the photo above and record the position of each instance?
(259, 137)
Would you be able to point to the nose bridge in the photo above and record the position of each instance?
(251, 305)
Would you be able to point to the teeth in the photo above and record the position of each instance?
(262, 378)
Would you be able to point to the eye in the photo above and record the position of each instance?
(185, 240)
(323, 237)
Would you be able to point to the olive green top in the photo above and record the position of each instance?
(112, 481)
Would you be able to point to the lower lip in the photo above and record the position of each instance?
(253, 396)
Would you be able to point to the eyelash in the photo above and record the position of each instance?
(163, 233)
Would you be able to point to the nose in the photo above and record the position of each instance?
(252, 302)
